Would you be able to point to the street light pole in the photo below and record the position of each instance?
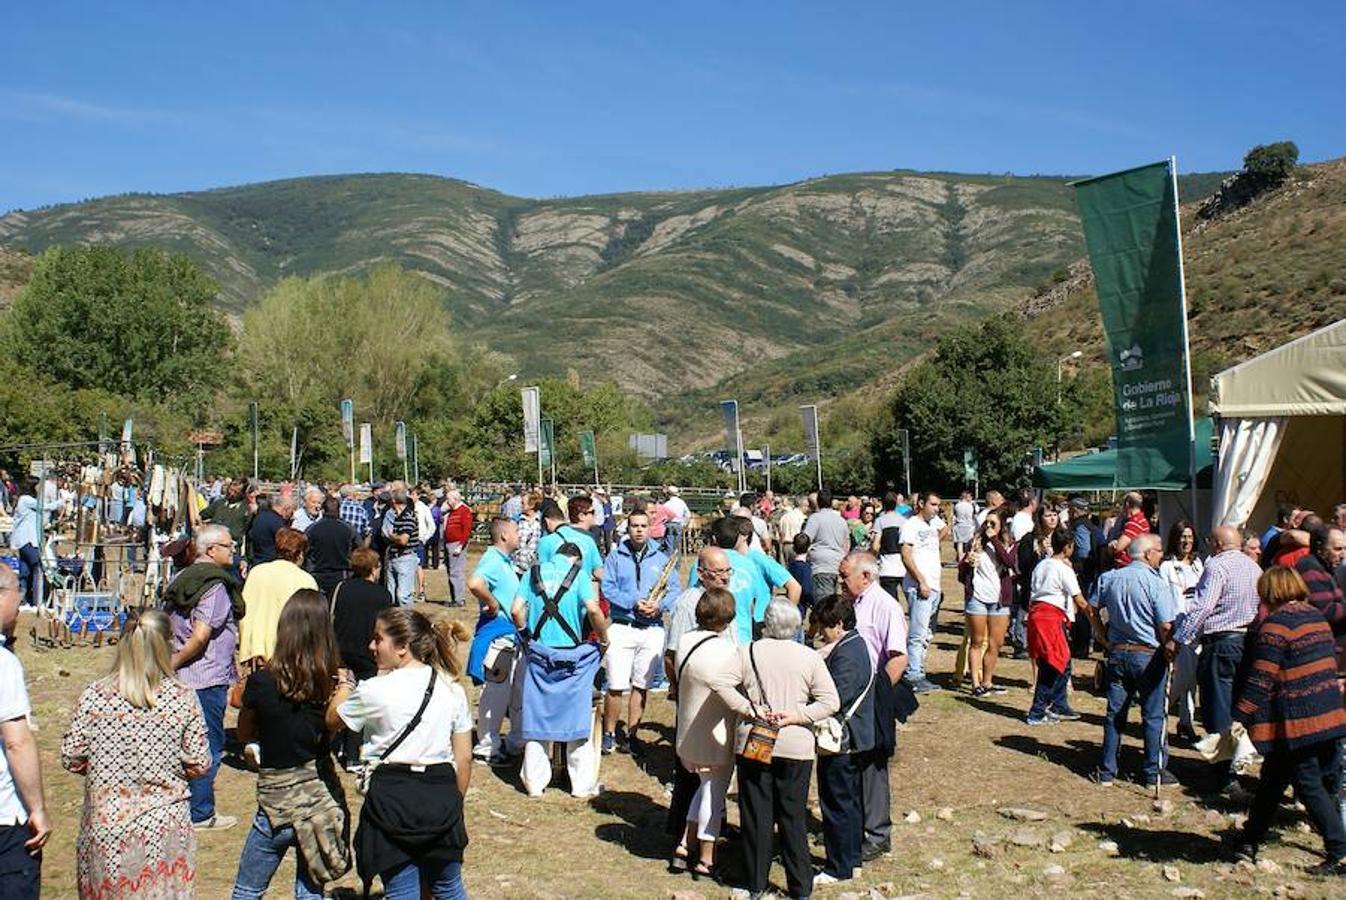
(1060, 363)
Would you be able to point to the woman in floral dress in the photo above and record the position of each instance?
(137, 737)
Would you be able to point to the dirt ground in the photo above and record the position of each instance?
(959, 762)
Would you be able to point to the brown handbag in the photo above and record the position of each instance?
(755, 738)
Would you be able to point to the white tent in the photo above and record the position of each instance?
(1282, 419)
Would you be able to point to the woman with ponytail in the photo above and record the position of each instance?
(137, 737)
(300, 802)
(416, 731)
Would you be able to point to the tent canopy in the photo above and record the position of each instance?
(1282, 429)
(1306, 377)
(1098, 471)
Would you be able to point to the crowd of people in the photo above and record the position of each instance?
(795, 649)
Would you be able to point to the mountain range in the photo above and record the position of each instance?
(799, 291)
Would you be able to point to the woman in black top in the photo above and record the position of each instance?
(300, 800)
(356, 603)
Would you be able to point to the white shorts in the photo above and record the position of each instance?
(634, 656)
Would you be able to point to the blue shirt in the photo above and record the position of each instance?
(1084, 540)
(25, 523)
(497, 570)
(1134, 601)
(625, 582)
(571, 604)
(592, 559)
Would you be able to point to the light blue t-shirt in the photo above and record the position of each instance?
(496, 569)
(571, 604)
(1134, 601)
(547, 546)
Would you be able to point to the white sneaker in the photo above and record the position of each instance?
(823, 878)
(215, 823)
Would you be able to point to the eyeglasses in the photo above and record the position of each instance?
(228, 546)
(717, 573)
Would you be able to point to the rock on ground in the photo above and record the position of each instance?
(1061, 841)
(1022, 814)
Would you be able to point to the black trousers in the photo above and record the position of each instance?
(776, 793)
(1315, 771)
(20, 874)
(893, 585)
(843, 819)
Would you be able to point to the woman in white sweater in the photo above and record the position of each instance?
(705, 738)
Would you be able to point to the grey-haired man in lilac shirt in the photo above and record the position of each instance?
(205, 636)
(880, 621)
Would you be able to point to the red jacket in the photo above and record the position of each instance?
(458, 525)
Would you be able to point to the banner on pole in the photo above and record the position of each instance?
(1131, 231)
(366, 443)
(587, 448)
(400, 439)
(547, 444)
(348, 420)
(969, 465)
(810, 416)
(729, 408)
(532, 416)
(294, 452)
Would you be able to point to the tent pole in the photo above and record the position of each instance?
(1186, 345)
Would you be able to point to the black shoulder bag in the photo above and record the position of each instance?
(368, 772)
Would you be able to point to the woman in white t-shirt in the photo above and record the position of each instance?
(987, 572)
(1053, 599)
(417, 732)
(1181, 570)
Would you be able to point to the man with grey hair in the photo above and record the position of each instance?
(1223, 606)
(204, 602)
(311, 511)
(1137, 608)
(881, 623)
(24, 822)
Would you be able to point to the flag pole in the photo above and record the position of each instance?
(1186, 342)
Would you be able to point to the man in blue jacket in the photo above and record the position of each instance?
(631, 570)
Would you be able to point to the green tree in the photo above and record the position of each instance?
(1271, 164)
(139, 325)
(985, 388)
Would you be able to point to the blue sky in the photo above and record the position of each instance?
(570, 98)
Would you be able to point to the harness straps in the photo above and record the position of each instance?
(550, 604)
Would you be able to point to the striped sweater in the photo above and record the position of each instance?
(1291, 698)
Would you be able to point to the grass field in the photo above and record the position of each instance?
(958, 763)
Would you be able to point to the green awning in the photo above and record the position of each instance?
(1098, 471)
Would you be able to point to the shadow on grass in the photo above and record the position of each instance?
(1160, 846)
(641, 831)
(1014, 712)
(1080, 757)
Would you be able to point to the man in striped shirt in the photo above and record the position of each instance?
(401, 531)
(1224, 605)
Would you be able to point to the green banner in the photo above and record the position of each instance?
(548, 443)
(587, 448)
(1131, 230)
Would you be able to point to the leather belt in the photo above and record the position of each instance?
(1132, 648)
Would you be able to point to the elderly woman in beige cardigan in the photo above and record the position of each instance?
(787, 683)
(706, 657)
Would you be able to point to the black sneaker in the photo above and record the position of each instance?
(1329, 867)
(873, 851)
(1066, 715)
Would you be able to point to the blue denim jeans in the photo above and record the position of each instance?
(402, 577)
(924, 612)
(404, 883)
(262, 853)
(1216, 669)
(1132, 675)
(213, 702)
(1050, 693)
